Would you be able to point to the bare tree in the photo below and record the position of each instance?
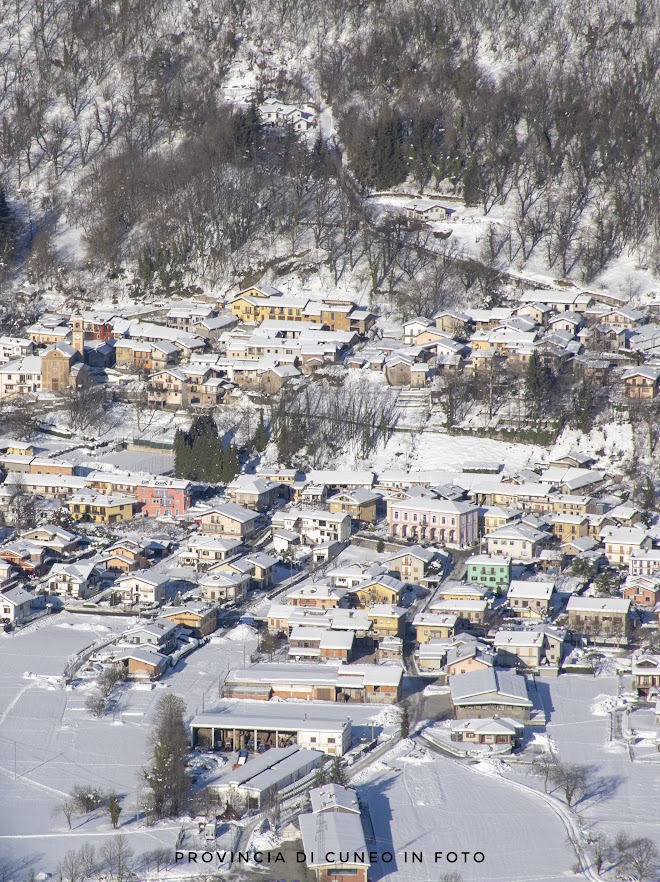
(544, 767)
(117, 859)
(643, 858)
(66, 808)
(71, 868)
(572, 780)
(602, 849)
(96, 703)
(22, 504)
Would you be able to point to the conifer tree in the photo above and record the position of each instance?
(166, 775)
(538, 386)
(261, 436)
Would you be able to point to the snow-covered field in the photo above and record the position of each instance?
(423, 801)
(432, 450)
(440, 805)
(579, 725)
(49, 743)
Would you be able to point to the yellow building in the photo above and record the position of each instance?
(567, 527)
(387, 620)
(435, 626)
(99, 508)
(200, 620)
(384, 589)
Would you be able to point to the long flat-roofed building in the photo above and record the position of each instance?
(371, 684)
(238, 725)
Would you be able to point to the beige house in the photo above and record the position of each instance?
(412, 564)
(168, 388)
(387, 620)
(622, 542)
(477, 612)
(230, 520)
(220, 586)
(531, 600)
(257, 494)
(381, 589)
(519, 648)
(641, 383)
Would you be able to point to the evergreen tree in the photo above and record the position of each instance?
(538, 386)
(166, 776)
(230, 464)
(261, 435)
(198, 453)
(337, 773)
(114, 810)
(405, 722)
(389, 149)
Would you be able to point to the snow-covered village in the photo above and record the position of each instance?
(329, 438)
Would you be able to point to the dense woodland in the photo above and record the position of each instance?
(114, 121)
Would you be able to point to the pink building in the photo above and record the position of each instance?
(438, 520)
(158, 496)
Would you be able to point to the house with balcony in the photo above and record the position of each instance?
(436, 626)
(490, 693)
(380, 589)
(315, 526)
(518, 542)
(641, 383)
(78, 580)
(162, 496)
(642, 591)
(646, 673)
(100, 508)
(258, 494)
(644, 561)
(415, 563)
(144, 587)
(202, 551)
(230, 521)
(621, 542)
(359, 504)
(197, 618)
(387, 620)
(221, 586)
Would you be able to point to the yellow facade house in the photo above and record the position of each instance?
(100, 509)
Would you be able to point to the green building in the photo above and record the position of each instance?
(491, 570)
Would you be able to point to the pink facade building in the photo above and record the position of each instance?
(437, 520)
(160, 496)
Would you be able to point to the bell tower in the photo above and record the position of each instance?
(78, 336)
